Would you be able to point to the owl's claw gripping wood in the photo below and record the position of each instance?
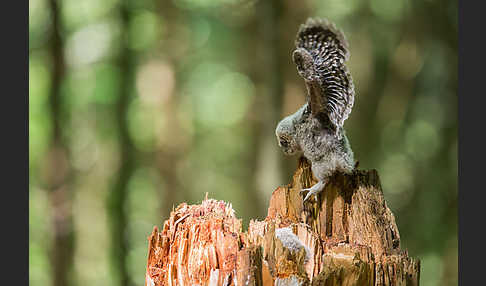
(314, 190)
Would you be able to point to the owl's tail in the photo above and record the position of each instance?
(322, 39)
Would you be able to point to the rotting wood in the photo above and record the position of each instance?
(349, 233)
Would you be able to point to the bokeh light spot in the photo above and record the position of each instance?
(155, 82)
(141, 123)
(335, 9)
(422, 140)
(143, 30)
(431, 269)
(89, 44)
(222, 97)
(397, 177)
(388, 10)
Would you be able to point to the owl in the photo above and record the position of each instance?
(316, 130)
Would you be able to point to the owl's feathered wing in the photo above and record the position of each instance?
(321, 53)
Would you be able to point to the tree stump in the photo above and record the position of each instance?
(346, 236)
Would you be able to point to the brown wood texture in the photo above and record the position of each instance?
(346, 236)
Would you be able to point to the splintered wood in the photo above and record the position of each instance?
(346, 236)
(201, 245)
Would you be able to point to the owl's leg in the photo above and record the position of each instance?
(314, 190)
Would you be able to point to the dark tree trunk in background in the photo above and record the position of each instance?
(269, 14)
(118, 196)
(268, 73)
(58, 169)
(167, 157)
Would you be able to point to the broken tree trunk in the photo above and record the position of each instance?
(346, 236)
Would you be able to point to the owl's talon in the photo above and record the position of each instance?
(314, 190)
(309, 194)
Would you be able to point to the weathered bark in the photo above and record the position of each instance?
(347, 236)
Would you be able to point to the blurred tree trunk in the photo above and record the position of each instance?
(117, 212)
(268, 73)
(169, 155)
(58, 170)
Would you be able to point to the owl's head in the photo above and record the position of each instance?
(286, 133)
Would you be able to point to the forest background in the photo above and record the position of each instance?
(136, 106)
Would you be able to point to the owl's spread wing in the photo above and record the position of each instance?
(320, 58)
